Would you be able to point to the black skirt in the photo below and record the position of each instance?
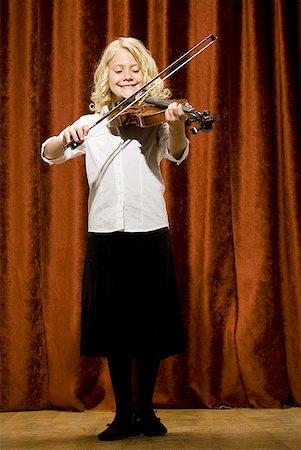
(130, 304)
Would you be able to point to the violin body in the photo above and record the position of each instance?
(152, 112)
(144, 115)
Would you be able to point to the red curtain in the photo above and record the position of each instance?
(234, 204)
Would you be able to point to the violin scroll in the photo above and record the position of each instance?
(203, 122)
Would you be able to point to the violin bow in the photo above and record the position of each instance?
(173, 67)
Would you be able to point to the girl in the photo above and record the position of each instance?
(130, 307)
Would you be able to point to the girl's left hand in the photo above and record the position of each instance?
(174, 114)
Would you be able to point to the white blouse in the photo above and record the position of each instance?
(123, 171)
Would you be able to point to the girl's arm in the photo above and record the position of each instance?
(54, 148)
(175, 117)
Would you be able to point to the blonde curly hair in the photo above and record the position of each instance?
(102, 95)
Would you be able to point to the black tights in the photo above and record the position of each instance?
(121, 376)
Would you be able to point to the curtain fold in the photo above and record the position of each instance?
(234, 204)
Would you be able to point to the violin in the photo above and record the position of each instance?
(127, 112)
(152, 112)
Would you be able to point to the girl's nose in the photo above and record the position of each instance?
(128, 75)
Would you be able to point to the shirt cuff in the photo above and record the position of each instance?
(184, 156)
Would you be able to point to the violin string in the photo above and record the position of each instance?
(142, 93)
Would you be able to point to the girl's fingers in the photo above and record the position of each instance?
(180, 113)
(85, 129)
(66, 136)
(175, 112)
(75, 134)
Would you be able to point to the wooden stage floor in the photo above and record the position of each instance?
(227, 429)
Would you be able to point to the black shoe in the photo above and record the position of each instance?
(148, 423)
(118, 430)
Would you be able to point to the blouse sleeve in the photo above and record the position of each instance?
(163, 135)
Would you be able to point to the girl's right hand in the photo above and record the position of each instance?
(75, 133)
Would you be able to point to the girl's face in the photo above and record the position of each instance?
(125, 76)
